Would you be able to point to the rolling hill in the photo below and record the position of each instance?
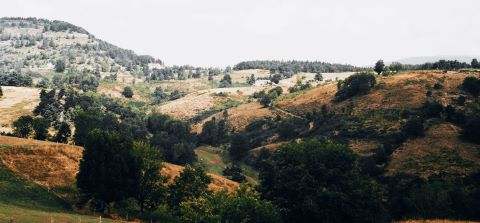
(37, 181)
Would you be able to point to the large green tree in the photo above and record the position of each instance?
(192, 183)
(40, 127)
(320, 182)
(109, 169)
(151, 189)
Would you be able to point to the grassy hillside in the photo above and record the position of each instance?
(37, 181)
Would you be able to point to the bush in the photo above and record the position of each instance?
(471, 85)
(22, 127)
(60, 66)
(471, 131)
(357, 84)
(234, 173)
(432, 109)
(414, 127)
(127, 92)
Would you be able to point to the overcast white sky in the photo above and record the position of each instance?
(224, 32)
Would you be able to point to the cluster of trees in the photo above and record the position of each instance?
(394, 67)
(82, 81)
(215, 132)
(182, 73)
(26, 126)
(251, 80)
(266, 98)
(15, 78)
(356, 84)
(299, 86)
(445, 65)
(134, 173)
(226, 81)
(328, 185)
(160, 96)
(276, 66)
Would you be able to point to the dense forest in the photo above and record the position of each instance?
(294, 66)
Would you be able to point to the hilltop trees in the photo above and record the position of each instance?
(379, 67)
(357, 84)
(327, 185)
(475, 64)
(294, 66)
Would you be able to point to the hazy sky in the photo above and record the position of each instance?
(224, 32)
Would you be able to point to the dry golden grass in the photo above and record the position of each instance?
(403, 91)
(16, 101)
(239, 117)
(56, 165)
(45, 163)
(440, 150)
(219, 183)
(364, 147)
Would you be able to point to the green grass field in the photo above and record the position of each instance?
(212, 158)
(22, 201)
(216, 160)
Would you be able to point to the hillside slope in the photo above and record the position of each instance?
(34, 45)
(56, 165)
(37, 180)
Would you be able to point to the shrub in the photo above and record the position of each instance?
(432, 109)
(127, 92)
(60, 66)
(471, 85)
(414, 127)
(357, 84)
(22, 127)
(471, 131)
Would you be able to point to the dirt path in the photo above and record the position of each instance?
(16, 101)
